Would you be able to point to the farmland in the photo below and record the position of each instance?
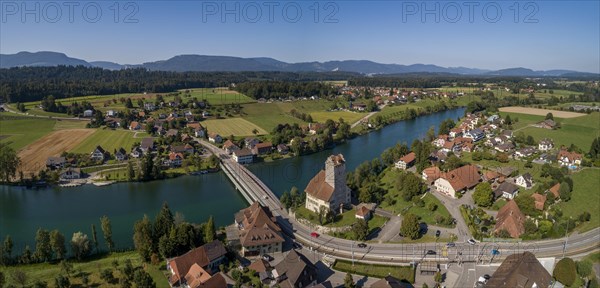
(22, 131)
(109, 139)
(216, 96)
(232, 126)
(33, 156)
(585, 197)
(540, 112)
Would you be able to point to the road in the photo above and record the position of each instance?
(8, 109)
(364, 119)
(391, 252)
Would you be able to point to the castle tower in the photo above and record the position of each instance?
(335, 171)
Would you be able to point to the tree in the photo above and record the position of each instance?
(361, 229)
(80, 245)
(66, 267)
(409, 185)
(19, 277)
(2, 279)
(142, 237)
(43, 249)
(410, 226)
(549, 116)
(595, 149)
(507, 120)
(38, 284)
(584, 268)
(9, 162)
(565, 271)
(163, 223)
(130, 172)
(142, 279)
(483, 195)
(349, 281)
(57, 242)
(62, 282)
(95, 237)
(107, 276)
(107, 231)
(209, 230)
(564, 191)
(438, 277)
(7, 247)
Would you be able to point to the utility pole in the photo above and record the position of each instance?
(352, 250)
(566, 239)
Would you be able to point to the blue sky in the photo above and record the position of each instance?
(542, 35)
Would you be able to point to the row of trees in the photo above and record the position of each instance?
(285, 89)
(52, 245)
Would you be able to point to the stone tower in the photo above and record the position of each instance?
(335, 171)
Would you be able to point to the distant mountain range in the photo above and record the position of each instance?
(183, 63)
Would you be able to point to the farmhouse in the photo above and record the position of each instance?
(511, 219)
(197, 265)
(243, 156)
(258, 231)
(406, 161)
(262, 148)
(547, 124)
(458, 180)
(328, 188)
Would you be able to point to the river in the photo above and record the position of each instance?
(23, 211)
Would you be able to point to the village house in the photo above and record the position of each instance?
(98, 154)
(70, 174)
(186, 138)
(328, 188)
(545, 144)
(555, 191)
(359, 107)
(431, 174)
(406, 161)
(88, 113)
(249, 142)
(295, 271)
(458, 180)
(524, 152)
(262, 148)
(172, 133)
(258, 232)
(566, 158)
(194, 268)
(242, 156)
(229, 147)
(475, 134)
(525, 181)
(505, 147)
(539, 200)
(121, 154)
(174, 160)
(55, 163)
(147, 144)
(511, 219)
(390, 282)
(440, 141)
(137, 152)
(455, 132)
(187, 148)
(214, 138)
(521, 270)
(507, 133)
(111, 113)
(283, 149)
(364, 211)
(506, 190)
(149, 106)
(314, 128)
(468, 147)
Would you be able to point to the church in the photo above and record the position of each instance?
(328, 188)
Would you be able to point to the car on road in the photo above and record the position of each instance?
(267, 257)
(314, 235)
(450, 244)
(437, 233)
(362, 245)
(486, 277)
(472, 241)
(430, 252)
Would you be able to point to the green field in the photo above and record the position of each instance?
(21, 131)
(215, 96)
(580, 131)
(232, 126)
(349, 117)
(269, 115)
(388, 182)
(585, 197)
(406, 273)
(47, 272)
(109, 140)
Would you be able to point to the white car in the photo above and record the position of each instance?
(472, 241)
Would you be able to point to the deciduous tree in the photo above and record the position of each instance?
(410, 226)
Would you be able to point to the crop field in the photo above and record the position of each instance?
(33, 156)
(540, 112)
(109, 139)
(349, 117)
(232, 126)
(19, 131)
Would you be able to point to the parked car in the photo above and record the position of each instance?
(430, 252)
(314, 234)
(267, 257)
(362, 245)
(437, 233)
(487, 276)
(450, 244)
(472, 241)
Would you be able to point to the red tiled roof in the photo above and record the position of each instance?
(318, 188)
(539, 200)
(408, 158)
(554, 190)
(464, 177)
(511, 219)
(432, 173)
